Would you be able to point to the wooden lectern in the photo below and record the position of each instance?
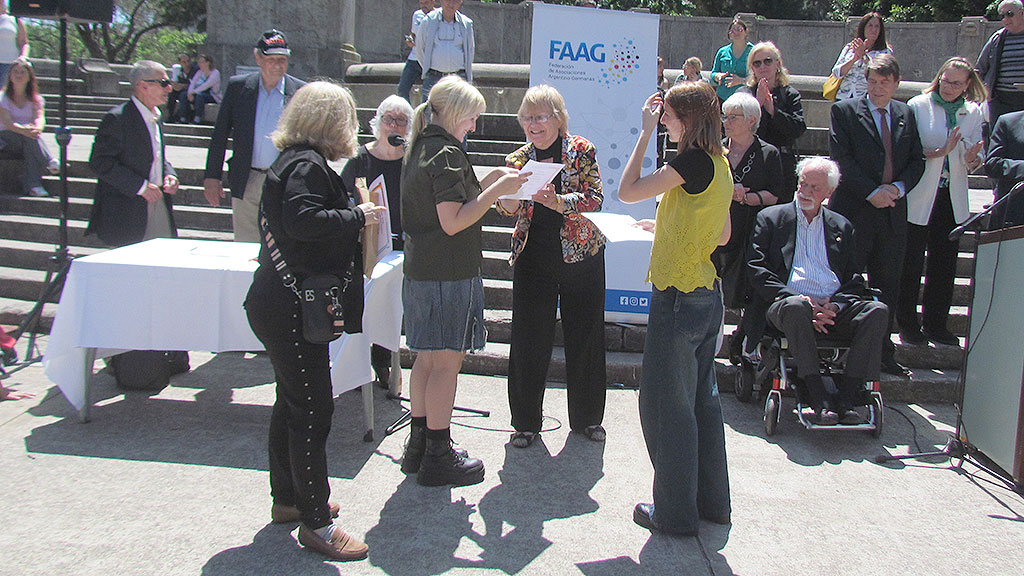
(993, 400)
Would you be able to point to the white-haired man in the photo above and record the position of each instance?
(804, 271)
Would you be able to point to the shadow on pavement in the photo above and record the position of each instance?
(274, 550)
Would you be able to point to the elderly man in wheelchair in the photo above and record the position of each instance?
(807, 284)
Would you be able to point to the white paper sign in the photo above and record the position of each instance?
(619, 227)
(542, 173)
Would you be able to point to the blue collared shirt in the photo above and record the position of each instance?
(268, 111)
(811, 275)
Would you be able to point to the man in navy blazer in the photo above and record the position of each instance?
(876, 178)
(135, 182)
(1005, 164)
(806, 281)
(248, 113)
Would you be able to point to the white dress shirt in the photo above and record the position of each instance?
(811, 274)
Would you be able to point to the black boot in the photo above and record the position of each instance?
(443, 464)
(414, 448)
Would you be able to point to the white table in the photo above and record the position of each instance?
(172, 294)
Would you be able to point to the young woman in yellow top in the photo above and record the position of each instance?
(680, 411)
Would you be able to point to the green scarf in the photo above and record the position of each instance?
(949, 107)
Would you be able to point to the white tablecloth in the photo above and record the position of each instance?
(173, 294)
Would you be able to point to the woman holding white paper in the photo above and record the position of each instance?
(558, 260)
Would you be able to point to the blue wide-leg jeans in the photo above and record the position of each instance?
(680, 412)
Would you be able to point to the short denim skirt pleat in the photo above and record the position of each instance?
(444, 315)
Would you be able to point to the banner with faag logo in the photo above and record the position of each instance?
(604, 62)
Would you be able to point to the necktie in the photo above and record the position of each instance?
(887, 145)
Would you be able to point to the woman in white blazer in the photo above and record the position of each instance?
(949, 119)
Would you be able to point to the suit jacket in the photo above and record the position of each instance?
(237, 118)
(1004, 162)
(770, 260)
(855, 143)
(121, 157)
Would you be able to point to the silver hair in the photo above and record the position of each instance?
(393, 103)
(745, 103)
(1015, 3)
(820, 163)
(145, 70)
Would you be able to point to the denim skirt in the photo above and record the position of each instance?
(444, 315)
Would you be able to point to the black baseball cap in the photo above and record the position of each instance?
(273, 43)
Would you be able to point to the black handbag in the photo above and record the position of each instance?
(330, 306)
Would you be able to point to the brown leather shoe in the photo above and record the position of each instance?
(341, 547)
(281, 514)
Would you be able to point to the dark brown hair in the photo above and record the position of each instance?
(880, 43)
(31, 89)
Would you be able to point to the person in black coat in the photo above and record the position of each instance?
(135, 184)
(782, 113)
(248, 113)
(1005, 164)
(312, 224)
(877, 174)
(806, 278)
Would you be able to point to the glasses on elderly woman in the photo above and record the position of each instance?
(953, 83)
(539, 119)
(766, 62)
(399, 121)
(731, 117)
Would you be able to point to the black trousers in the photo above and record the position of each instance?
(301, 418)
(880, 250)
(861, 323)
(939, 274)
(542, 280)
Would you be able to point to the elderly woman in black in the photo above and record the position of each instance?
(315, 226)
(757, 182)
(782, 113)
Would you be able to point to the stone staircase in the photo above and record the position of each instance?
(29, 228)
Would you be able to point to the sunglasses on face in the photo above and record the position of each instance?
(1008, 14)
(765, 62)
(163, 82)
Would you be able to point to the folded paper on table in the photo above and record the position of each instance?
(542, 173)
(619, 227)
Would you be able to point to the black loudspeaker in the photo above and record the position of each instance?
(75, 10)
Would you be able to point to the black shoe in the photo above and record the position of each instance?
(851, 418)
(383, 374)
(643, 516)
(913, 336)
(891, 366)
(944, 337)
(827, 417)
(442, 465)
(415, 447)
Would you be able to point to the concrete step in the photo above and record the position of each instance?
(13, 312)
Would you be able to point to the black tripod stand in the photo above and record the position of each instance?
(60, 261)
(958, 447)
(406, 418)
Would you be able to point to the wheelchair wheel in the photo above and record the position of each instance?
(771, 414)
(879, 412)
(745, 381)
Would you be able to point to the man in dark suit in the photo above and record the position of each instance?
(249, 112)
(1005, 164)
(875, 142)
(135, 182)
(805, 274)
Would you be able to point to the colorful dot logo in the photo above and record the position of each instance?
(624, 62)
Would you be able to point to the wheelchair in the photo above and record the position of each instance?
(772, 377)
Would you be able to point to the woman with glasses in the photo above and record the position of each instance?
(949, 120)
(680, 411)
(782, 112)
(757, 182)
(730, 67)
(382, 157)
(558, 263)
(852, 64)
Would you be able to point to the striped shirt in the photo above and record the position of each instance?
(811, 275)
(1011, 63)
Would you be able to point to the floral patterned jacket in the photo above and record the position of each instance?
(581, 192)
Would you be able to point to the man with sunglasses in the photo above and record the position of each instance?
(135, 182)
(1001, 64)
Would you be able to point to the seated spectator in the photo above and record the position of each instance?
(203, 89)
(21, 124)
(182, 74)
(804, 273)
(691, 70)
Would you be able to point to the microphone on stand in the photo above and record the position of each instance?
(959, 230)
(396, 140)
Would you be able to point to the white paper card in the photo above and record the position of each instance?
(619, 227)
(542, 174)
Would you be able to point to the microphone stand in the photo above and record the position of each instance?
(974, 220)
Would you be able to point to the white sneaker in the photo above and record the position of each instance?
(53, 167)
(38, 191)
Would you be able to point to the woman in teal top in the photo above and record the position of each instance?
(730, 68)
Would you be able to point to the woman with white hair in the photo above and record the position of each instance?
(757, 182)
(443, 292)
(393, 117)
(310, 222)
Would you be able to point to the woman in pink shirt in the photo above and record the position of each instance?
(203, 89)
(22, 123)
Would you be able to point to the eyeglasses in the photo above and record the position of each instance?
(1008, 14)
(163, 82)
(728, 117)
(401, 122)
(539, 119)
(765, 62)
(954, 84)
